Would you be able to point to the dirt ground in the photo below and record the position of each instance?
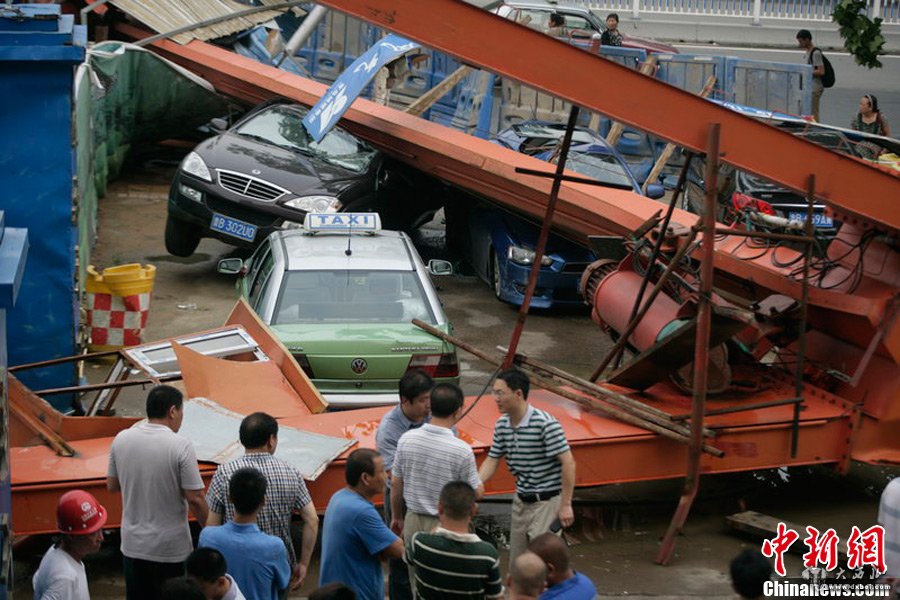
(618, 529)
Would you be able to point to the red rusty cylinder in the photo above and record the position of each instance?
(613, 301)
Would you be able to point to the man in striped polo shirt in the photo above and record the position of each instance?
(426, 460)
(537, 455)
(450, 562)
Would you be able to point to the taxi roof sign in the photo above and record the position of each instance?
(369, 222)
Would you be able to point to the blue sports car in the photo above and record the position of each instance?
(500, 245)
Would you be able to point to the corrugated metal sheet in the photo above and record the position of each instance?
(213, 430)
(168, 15)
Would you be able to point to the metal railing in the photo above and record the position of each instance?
(805, 10)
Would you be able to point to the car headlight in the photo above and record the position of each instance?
(194, 165)
(315, 204)
(525, 256)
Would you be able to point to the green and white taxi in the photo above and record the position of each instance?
(341, 294)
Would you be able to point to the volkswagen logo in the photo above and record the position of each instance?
(359, 366)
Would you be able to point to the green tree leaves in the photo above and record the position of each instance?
(862, 36)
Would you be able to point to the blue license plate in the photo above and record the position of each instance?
(818, 219)
(233, 227)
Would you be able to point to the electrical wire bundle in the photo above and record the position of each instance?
(821, 264)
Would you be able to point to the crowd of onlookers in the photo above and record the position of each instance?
(431, 487)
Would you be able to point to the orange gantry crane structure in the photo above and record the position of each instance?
(835, 317)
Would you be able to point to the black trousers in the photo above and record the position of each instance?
(144, 578)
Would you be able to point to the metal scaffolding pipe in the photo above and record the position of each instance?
(542, 239)
(701, 351)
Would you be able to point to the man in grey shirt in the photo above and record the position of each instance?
(814, 58)
(156, 471)
(413, 411)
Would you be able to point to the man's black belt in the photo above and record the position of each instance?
(532, 497)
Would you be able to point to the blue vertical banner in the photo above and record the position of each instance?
(346, 88)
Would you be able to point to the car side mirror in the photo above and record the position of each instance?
(654, 191)
(231, 266)
(440, 267)
(218, 125)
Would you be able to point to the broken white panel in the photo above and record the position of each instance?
(213, 430)
(158, 358)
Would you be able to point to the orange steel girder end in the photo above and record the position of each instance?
(852, 188)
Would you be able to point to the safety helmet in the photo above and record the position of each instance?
(79, 513)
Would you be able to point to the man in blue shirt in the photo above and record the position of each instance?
(355, 539)
(562, 580)
(258, 562)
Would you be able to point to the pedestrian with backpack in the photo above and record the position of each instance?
(823, 73)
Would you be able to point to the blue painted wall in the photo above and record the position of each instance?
(13, 250)
(36, 176)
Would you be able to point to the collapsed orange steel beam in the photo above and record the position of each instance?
(491, 170)
(477, 37)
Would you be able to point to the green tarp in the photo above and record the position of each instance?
(127, 96)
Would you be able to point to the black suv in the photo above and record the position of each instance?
(265, 173)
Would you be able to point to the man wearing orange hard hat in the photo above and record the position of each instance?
(61, 576)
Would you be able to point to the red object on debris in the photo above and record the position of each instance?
(742, 201)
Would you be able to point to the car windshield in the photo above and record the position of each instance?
(605, 168)
(351, 297)
(283, 127)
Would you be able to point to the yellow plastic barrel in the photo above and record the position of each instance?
(118, 303)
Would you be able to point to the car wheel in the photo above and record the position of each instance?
(495, 274)
(181, 238)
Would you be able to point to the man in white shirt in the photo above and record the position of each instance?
(61, 576)
(156, 471)
(427, 459)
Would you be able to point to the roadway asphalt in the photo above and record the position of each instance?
(840, 103)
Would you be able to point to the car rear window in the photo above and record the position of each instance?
(351, 297)
(602, 167)
(283, 127)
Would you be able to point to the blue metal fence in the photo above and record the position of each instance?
(690, 72)
(779, 87)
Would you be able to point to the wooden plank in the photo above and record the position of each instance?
(761, 526)
(427, 99)
(648, 68)
(669, 150)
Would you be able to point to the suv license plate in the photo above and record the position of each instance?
(818, 219)
(233, 227)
